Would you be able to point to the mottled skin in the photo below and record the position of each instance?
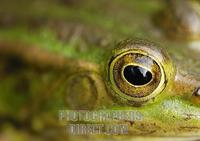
(180, 19)
(51, 60)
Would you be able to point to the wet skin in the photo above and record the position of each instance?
(43, 70)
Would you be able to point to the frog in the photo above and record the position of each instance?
(179, 19)
(50, 62)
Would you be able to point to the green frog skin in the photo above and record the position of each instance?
(169, 105)
(61, 60)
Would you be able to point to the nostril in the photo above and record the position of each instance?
(197, 92)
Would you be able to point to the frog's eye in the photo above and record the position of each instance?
(138, 71)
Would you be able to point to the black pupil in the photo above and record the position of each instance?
(137, 75)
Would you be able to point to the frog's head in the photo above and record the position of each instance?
(145, 78)
(138, 76)
(142, 77)
(135, 73)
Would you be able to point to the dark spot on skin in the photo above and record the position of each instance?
(14, 64)
(153, 99)
(197, 92)
(137, 75)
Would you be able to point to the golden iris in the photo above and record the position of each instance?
(137, 71)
